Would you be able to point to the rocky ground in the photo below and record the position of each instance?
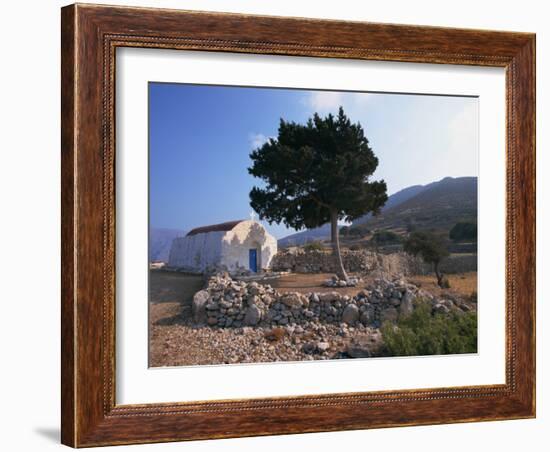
(176, 339)
(186, 344)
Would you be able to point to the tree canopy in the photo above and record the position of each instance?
(431, 248)
(312, 170)
(463, 231)
(316, 173)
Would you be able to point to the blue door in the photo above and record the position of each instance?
(252, 262)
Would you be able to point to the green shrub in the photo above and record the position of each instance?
(463, 231)
(385, 237)
(422, 333)
(357, 231)
(314, 246)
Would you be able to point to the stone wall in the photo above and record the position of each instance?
(363, 261)
(228, 303)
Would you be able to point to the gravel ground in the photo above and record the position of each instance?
(176, 342)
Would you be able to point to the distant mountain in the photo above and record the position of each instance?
(437, 204)
(160, 241)
(309, 235)
(323, 232)
(395, 199)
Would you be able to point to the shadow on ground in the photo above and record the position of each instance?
(50, 433)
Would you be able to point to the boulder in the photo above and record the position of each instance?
(292, 300)
(322, 346)
(367, 317)
(200, 299)
(329, 297)
(366, 346)
(253, 315)
(350, 314)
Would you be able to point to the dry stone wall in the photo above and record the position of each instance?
(364, 261)
(229, 303)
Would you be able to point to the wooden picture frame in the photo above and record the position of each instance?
(90, 35)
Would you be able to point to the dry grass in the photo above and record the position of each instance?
(275, 334)
(461, 283)
(310, 282)
(171, 287)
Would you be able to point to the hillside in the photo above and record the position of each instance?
(438, 205)
(309, 235)
(395, 199)
(160, 241)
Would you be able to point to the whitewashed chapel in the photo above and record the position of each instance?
(234, 245)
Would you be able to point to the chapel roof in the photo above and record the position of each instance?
(227, 226)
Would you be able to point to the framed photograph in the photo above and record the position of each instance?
(281, 225)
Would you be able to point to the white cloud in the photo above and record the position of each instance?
(257, 139)
(324, 102)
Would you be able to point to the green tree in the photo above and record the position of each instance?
(463, 231)
(431, 248)
(317, 173)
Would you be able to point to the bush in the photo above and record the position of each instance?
(422, 333)
(357, 231)
(314, 246)
(385, 237)
(463, 231)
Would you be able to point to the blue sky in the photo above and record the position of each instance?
(200, 138)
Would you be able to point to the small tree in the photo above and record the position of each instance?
(315, 174)
(463, 231)
(430, 247)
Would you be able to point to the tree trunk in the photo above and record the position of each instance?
(336, 245)
(438, 274)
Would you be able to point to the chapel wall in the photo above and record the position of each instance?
(243, 237)
(196, 252)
